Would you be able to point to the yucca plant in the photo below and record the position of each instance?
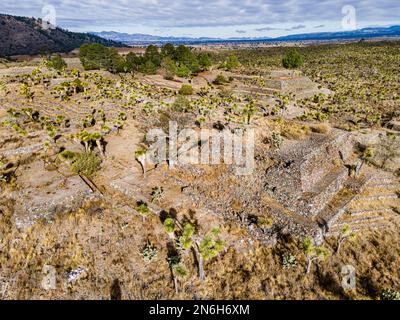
(140, 156)
(98, 139)
(313, 252)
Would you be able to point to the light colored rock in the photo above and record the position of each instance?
(394, 125)
(60, 196)
(22, 151)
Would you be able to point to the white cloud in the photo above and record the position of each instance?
(185, 14)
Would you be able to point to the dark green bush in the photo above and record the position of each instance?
(186, 90)
(58, 63)
(293, 59)
(220, 80)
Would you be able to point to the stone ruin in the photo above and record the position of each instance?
(307, 173)
(280, 82)
(306, 187)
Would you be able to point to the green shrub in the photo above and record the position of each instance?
(181, 104)
(143, 209)
(169, 225)
(183, 71)
(58, 63)
(149, 252)
(170, 68)
(148, 68)
(369, 153)
(211, 245)
(204, 61)
(95, 56)
(264, 222)
(67, 155)
(185, 241)
(293, 59)
(86, 164)
(220, 80)
(289, 261)
(389, 294)
(232, 62)
(186, 90)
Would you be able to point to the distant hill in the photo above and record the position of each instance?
(376, 32)
(25, 36)
(143, 39)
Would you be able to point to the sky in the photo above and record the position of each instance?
(210, 18)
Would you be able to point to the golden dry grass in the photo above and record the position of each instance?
(107, 242)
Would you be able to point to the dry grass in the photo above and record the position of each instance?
(322, 128)
(108, 244)
(295, 131)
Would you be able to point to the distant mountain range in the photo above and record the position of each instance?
(142, 39)
(139, 37)
(25, 36)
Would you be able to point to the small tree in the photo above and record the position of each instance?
(210, 246)
(183, 71)
(293, 59)
(144, 210)
(148, 68)
(98, 139)
(249, 111)
(170, 67)
(133, 62)
(169, 225)
(93, 56)
(204, 61)
(168, 50)
(85, 138)
(178, 270)
(205, 248)
(185, 241)
(153, 55)
(140, 156)
(345, 234)
(313, 252)
(232, 62)
(184, 56)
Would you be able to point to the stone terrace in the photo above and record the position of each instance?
(307, 173)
